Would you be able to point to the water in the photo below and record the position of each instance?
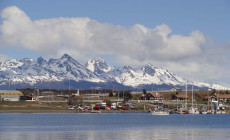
(115, 126)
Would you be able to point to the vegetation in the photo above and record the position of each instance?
(108, 101)
(144, 92)
(110, 94)
(75, 101)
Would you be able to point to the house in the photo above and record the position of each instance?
(152, 96)
(211, 98)
(224, 97)
(180, 97)
(176, 89)
(10, 95)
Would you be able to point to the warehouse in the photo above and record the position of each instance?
(10, 95)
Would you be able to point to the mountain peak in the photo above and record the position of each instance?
(149, 69)
(100, 60)
(98, 66)
(149, 65)
(40, 60)
(66, 56)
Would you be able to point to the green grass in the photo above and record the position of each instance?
(32, 106)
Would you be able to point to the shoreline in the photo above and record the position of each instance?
(71, 111)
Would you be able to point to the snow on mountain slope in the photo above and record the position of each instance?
(147, 75)
(209, 85)
(98, 66)
(28, 71)
(69, 68)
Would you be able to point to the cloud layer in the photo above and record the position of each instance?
(84, 38)
(89, 36)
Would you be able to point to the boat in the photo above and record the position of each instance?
(159, 113)
(95, 111)
(193, 110)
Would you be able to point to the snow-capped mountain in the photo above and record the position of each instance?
(95, 73)
(210, 85)
(144, 76)
(98, 66)
(31, 72)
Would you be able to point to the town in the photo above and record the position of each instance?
(174, 101)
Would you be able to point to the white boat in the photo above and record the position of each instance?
(160, 113)
(95, 111)
(193, 111)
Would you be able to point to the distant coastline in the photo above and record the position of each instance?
(71, 111)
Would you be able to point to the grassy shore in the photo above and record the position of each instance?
(32, 107)
(48, 107)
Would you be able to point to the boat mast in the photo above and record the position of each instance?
(192, 95)
(186, 94)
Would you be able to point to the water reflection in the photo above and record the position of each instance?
(156, 134)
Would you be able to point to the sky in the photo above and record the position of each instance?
(186, 37)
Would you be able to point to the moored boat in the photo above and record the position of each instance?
(160, 113)
(95, 111)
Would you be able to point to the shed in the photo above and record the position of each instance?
(10, 95)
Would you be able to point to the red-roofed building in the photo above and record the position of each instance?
(180, 97)
(224, 97)
(152, 96)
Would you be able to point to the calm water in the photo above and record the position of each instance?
(136, 126)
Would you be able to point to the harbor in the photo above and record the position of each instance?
(110, 101)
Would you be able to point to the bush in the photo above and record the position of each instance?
(110, 94)
(108, 101)
(75, 101)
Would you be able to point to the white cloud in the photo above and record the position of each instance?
(136, 45)
(84, 35)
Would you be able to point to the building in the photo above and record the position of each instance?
(180, 97)
(176, 89)
(152, 96)
(10, 95)
(224, 97)
(218, 97)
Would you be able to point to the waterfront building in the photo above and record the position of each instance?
(152, 96)
(224, 97)
(10, 95)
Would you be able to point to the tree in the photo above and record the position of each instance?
(108, 101)
(75, 101)
(128, 96)
(110, 94)
(144, 92)
(213, 91)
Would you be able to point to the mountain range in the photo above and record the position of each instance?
(66, 72)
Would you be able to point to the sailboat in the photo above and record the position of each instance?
(193, 110)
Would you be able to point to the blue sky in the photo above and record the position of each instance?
(209, 16)
(193, 23)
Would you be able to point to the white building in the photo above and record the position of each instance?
(10, 95)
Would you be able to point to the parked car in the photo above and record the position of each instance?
(96, 107)
(102, 105)
(108, 108)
